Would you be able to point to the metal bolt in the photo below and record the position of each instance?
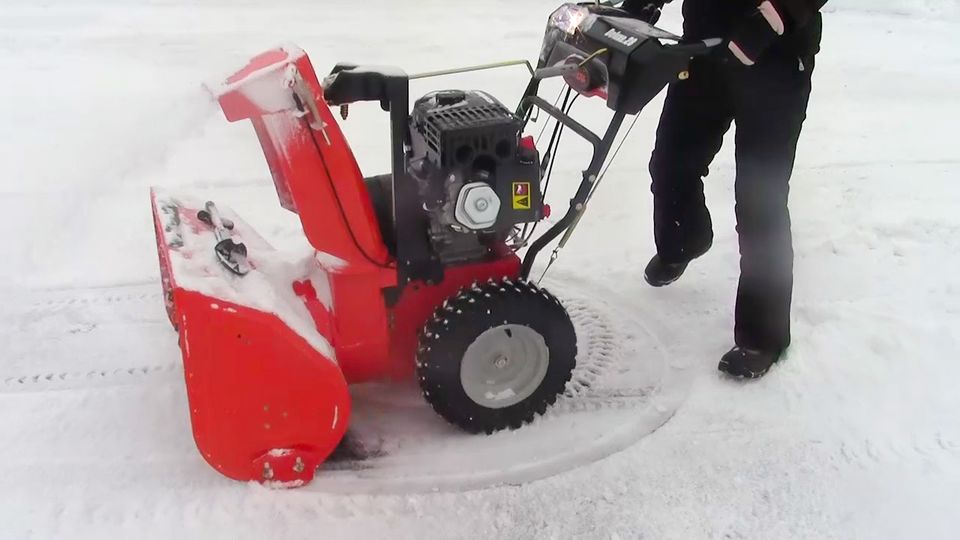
(298, 466)
(684, 75)
(481, 204)
(592, 178)
(501, 362)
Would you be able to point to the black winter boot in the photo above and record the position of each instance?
(661, 274)
(748, 363)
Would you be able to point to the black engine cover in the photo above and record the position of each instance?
(462, 138)
(460, 128)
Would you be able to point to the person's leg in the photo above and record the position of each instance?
(696, 114)
(771, 102)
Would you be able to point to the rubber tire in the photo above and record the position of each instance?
(460, 320)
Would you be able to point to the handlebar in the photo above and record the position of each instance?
(576, 127)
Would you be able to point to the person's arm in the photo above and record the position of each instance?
(771, 19)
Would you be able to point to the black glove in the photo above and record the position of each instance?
(757, 32)
(645, 10)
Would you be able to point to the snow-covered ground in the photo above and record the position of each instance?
(855, 435)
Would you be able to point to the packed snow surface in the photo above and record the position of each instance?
(855, 435)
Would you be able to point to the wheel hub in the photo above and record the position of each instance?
(504, 366)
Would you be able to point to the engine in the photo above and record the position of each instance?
(477, 178)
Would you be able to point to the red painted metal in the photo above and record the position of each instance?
(255, 387)
(313, 168)
(317, 177)
(418, 302)
(528, 143)
(322, 318)
(360, 326)
(266, 404)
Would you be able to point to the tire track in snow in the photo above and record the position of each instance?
(106, 299)
(613, 400)
(42, 318)
(52, 300)
(77, 328)
(870, 453)
(625, 398)
(82, 380)
(600, 348)
(600, 341)
(582, 393)
(591, 366)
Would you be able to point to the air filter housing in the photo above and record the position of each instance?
(468, 129)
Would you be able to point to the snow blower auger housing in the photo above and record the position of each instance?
(412, 273)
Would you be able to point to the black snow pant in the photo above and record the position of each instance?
(768, 103)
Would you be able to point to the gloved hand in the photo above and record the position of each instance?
(757, 32)
(645, 10)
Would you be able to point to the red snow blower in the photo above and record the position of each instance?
(415, 272)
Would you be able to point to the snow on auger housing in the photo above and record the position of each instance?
(415, 272)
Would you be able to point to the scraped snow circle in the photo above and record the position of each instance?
(124, 363)
(622, 389)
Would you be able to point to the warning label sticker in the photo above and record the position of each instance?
(521, 195)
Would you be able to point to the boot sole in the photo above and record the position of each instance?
(746, 373)
(660, 284)
(742, 374)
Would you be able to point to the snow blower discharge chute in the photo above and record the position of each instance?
(414, 273)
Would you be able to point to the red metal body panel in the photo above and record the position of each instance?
(317, 177)
(257, 390)
(356, 327)
(313, 167)
(266, 403)
(418, 302)
(361, 329)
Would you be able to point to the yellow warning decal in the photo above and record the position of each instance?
(521, 195)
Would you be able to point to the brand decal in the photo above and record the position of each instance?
(621, 38)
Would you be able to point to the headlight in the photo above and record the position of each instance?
(565, 21)
(568, 18)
